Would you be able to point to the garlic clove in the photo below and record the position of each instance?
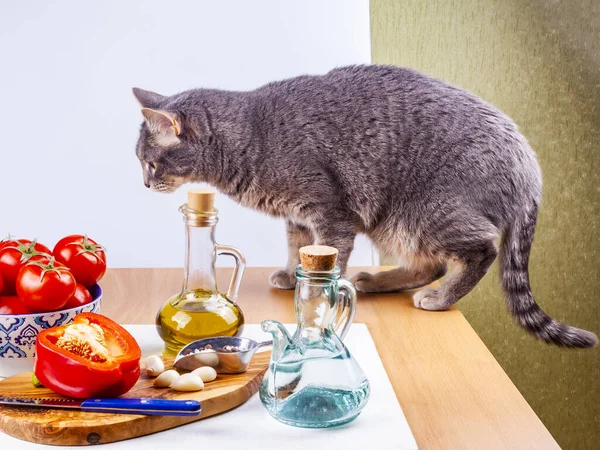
(187, 383)
(205, 373)
(166, 378)
(206, 357)
(154, 365)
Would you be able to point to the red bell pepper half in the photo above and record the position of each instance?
(91, 357)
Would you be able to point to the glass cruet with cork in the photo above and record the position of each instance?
(313, 381)
(199, 310)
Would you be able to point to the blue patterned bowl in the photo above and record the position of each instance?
(18, 333)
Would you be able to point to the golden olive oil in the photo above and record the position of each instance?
(197, 314)
(200, 310)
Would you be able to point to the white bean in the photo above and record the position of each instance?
(206, 373)
(166, 378)
(154, 365)
(188, 382)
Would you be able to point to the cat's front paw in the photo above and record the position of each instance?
(364, 282)
(282, 280)
(429, 299)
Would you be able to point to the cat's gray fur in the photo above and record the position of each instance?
(431, 173)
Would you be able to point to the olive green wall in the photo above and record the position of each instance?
(538, 61)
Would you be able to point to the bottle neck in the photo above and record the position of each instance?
(315, 301)
(199, 258)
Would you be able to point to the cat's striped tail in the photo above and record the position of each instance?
(514, 275)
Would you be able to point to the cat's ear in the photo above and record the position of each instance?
(166, 125)
(147, 99)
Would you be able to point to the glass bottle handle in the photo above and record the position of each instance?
(346, 307)
(238, 271)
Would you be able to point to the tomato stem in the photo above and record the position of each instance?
(8, 238)
(48, 267)
(86, 247)
(28, 251)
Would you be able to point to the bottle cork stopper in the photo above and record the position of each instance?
(319, 258)
(200, 199)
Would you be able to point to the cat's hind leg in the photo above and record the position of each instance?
(297, 236)
(399, 279)
(472, 265)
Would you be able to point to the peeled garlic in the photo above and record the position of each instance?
(206, 373)
(166, 378)
(207, 357)
(188, 382)
(154, 365)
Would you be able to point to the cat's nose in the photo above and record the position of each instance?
(147, 184)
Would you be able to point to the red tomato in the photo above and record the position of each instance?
(8, 239)
(45, 287)
(14, 255)
(4, 242)
(83, 256)
(12, 305)
(81, 297)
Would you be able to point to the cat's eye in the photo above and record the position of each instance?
(152, 166)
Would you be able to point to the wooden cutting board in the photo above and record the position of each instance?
(72, 427)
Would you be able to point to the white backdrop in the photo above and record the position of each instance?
(69, 123)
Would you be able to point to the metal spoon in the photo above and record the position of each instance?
(194, 354)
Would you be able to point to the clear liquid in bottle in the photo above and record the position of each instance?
(313, 381)
(318, 389)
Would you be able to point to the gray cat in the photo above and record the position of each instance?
(431, 173)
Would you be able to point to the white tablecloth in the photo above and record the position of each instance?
(381, 425)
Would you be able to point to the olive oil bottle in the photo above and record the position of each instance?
(200, 310)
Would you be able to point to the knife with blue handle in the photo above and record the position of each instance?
(144, 406)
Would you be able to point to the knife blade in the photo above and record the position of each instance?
(144, 406)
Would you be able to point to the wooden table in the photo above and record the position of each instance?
(453, 392)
